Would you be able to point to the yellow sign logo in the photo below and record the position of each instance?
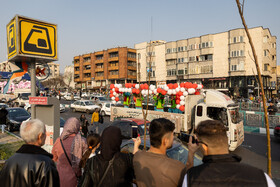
(37, 38)
(11, 39)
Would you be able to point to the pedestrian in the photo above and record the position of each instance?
(30, 165)
(153, 167)
(219, 168)
(93, 142)
(3, 118)
(84, 124)
(68, 150)
(272, 109)
(101, 118)
(110, 167)
(95, 119)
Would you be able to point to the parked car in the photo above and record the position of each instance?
(77, 97)
(277, 131)
(3, 105)
(28, 107)
(178, 151)
(68, 97)
(84, 106)
(15, 117)
(125, 124)
(106, 108)
(98, 100)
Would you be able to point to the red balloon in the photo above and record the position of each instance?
(142, 86)
(133, 90)
(146, 86)
(117, 90)
(112, 86)
(126, 85)
(129, 85)
(194, 86)
(137, 91)
(111, 91)
(186, 85)
(197, 93)
(134, 99)
(163, 92)
(180, 93)
(175, 86)
(182, 85)
(133, 85)
(111, 95)
(159, 90)
(201, 86)
(117, 99)
(177, 101)
(171, 86)
(182, 108)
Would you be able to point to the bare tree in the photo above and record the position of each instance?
(56, 82)
(241, 9)
(68, 78)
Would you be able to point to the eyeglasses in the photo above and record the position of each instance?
(202, 143)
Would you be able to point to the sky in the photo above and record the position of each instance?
(86, 26)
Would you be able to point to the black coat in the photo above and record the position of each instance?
(3, 116)
(30, 166)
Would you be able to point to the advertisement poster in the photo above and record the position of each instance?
(49, 139)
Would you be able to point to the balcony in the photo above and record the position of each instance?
(131, 59)
(99, 61)
(99, 78)
(77, 79)
(87, 79)
(113, 50)
(76, 72)
(87, 63)
(113, 68)
(113, 59)
(131, 76)
(87, 71)
(113, 76)
(99, 69)
(132, 68)
(76, 64)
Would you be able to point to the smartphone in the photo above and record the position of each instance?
(186, 137)
(134, 131)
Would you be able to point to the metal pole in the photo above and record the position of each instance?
(33, 86)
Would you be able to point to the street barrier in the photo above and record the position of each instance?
(256, 119)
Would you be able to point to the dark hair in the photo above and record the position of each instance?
(213, 132)
(158, 128)
(92, 141)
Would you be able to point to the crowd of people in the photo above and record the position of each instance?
(98, 161)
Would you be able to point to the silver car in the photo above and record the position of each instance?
(84, 106)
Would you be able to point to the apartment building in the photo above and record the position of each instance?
(221, 61)
(99, 69)
(54, 70)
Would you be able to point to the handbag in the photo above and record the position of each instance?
(78, 178)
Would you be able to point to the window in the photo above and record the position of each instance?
(99, 74)
(112, 55)
(131, 55)
(168, 50)
(114, 72)
(131, 72)
(181, 72)
(180, 60)
(233, 68)
(114, 63)
(240, 38)
(241, 65)
(99, 57)
(139, 55)
(206, 69)
(171, 72)
(99, 66)
(185, 48)
(206, 57)
(218, 114)
(131, 63)
(151, 53)
(265, 52)
(199, 111)
(266, 67)
(174, 50)
(234, 40)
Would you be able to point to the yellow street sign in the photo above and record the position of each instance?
(37, 38)
(11, 38)
(30, 40)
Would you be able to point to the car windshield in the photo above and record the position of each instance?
(181, 153)
(25, 96)
(17, 112)
(234, 115)
(88, 103)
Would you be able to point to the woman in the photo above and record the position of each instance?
(75, 145)
(85, 124)
(118, 165)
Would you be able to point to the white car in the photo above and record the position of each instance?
(84, 106)
(106, 108)
(27, 107)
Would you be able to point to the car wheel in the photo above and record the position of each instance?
(9, 127)
(103, 113)
(88, 111)
(74, 110)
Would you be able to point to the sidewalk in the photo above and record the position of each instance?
(8, 138)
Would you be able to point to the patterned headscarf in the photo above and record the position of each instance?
(72, 126)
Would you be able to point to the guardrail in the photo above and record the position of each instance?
(256, 119)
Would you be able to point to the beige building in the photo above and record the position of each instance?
(221, 61)
(54, 70)
(68, 76)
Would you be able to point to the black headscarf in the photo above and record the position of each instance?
(110, 142)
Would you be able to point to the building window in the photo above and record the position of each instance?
(151, 53)
(206, 57)
(240, 38)
(171, 62)
(131, 55)
(113, 55)
(115, 72)
(77, 69)
(171, 72)
(99, 74)
(86, 59)
(99, 66)
(130, 72)
(114, 63)
(152, 64)
(87, 67)
(234, 40)
(139, 55)
(266, 67)
(206, 69)
(99, 57)
(131, 63)
(168, 50)
(87, 75)
(265, 52)
(174, 50)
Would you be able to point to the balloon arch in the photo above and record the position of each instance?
(180, 91)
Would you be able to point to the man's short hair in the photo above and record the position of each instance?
(212, 132)
(30, 130)
(158, 128)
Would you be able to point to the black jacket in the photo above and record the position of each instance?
(272, 110)
(120, 175)
(3, 116)
(225, 170)
(30, 166)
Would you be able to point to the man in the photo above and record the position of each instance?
(3, 118)
(30, 165)
(272, 109)
(153, 167)
(219, 168)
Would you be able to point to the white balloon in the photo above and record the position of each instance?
(117, 95)
(178, 106)
(182, 98)
(143, 92)
(114, 102)
(166, 88)
(174, 92)
(114, 93)
(182, 89)
(185, 93)
(137, 86)
(182, 102)
(169, 92)
(155, 91)
(130, 90)
(199, 86)
(113, 89)
(191, 90)
(113, 98)
(177, 89)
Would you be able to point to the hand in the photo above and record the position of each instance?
(192, 147)
(137, 141)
